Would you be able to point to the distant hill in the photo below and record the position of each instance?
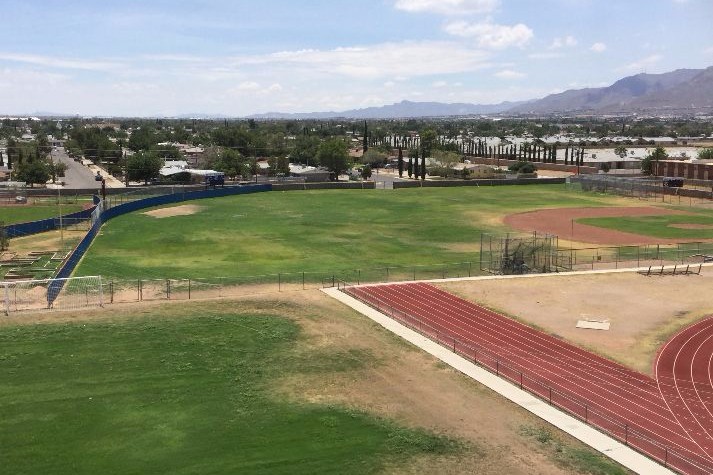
(676, 91)
(403, 109)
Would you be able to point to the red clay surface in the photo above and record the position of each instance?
(562, 222)
(628, 405)
(683, 371)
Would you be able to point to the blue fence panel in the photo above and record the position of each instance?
(42, 225)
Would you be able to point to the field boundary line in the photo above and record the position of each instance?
(600, 442)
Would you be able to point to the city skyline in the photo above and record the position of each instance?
(241, 58)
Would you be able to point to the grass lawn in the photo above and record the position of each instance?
(191, 393)
(328, 230)
(659, 226)
(26, 213)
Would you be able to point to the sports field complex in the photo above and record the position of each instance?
(201, 340)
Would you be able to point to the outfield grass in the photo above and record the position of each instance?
(658, 226)
(190, 394)
(296, 231)
(26, 213)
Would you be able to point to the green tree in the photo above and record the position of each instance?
(647, 164)
(373, 157)
(401, 162)
(620, 150)
(366, 172)
(332, 155)
(446, 160)
(428, 141)
(365, 144)
(705, 153)
(142, 138)
(36, 171)
(144, 166)
(305, 150)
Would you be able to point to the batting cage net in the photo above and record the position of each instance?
(520, 254)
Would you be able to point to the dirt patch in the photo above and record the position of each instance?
(181, 210)
(691, 226)
(563, 223)
(643, 311)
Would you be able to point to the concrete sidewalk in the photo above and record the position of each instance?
(606, 445)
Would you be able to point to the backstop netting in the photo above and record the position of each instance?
(61, 294)
(520, 254)
(639, 187)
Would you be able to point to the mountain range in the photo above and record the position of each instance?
(679, 92)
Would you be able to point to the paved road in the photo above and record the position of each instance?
(77, 175)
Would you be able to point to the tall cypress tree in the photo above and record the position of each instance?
(423, 166)
(410, 167)
(401, 162)
(366, 140)
(416, 171)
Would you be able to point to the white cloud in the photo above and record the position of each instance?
(642, 64)
(708, 51)
(439, 84)
(62, 63)
(598, 47)
(387, 60)
(509, 74)
(490, 35)
(389, 84)
(568, 41)
(247, 86)
(545, 55)
(448, 7)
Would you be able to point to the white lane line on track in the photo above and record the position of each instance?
(600, 442)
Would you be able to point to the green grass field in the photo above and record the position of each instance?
(329, 230)
(659, 226)
(26, 213)
(188, 393)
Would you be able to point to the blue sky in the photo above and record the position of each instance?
(157, 57)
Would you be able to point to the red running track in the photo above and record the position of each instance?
(683, 370)
(632, 407)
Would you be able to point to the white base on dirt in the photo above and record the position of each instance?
(593, 324)
(613, 449)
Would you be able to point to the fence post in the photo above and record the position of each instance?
(520, 379)
(358, 276)
(111, 291)
(189, 289)
(7, 299)
(470, 265)
(387, 274)
(497, 367)
(279, 282)
(168, 289)
(141, 290)
(303, 280)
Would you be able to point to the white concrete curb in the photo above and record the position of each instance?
(587, 434)
(654, 269)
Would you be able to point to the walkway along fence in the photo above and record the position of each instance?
(624, 431)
